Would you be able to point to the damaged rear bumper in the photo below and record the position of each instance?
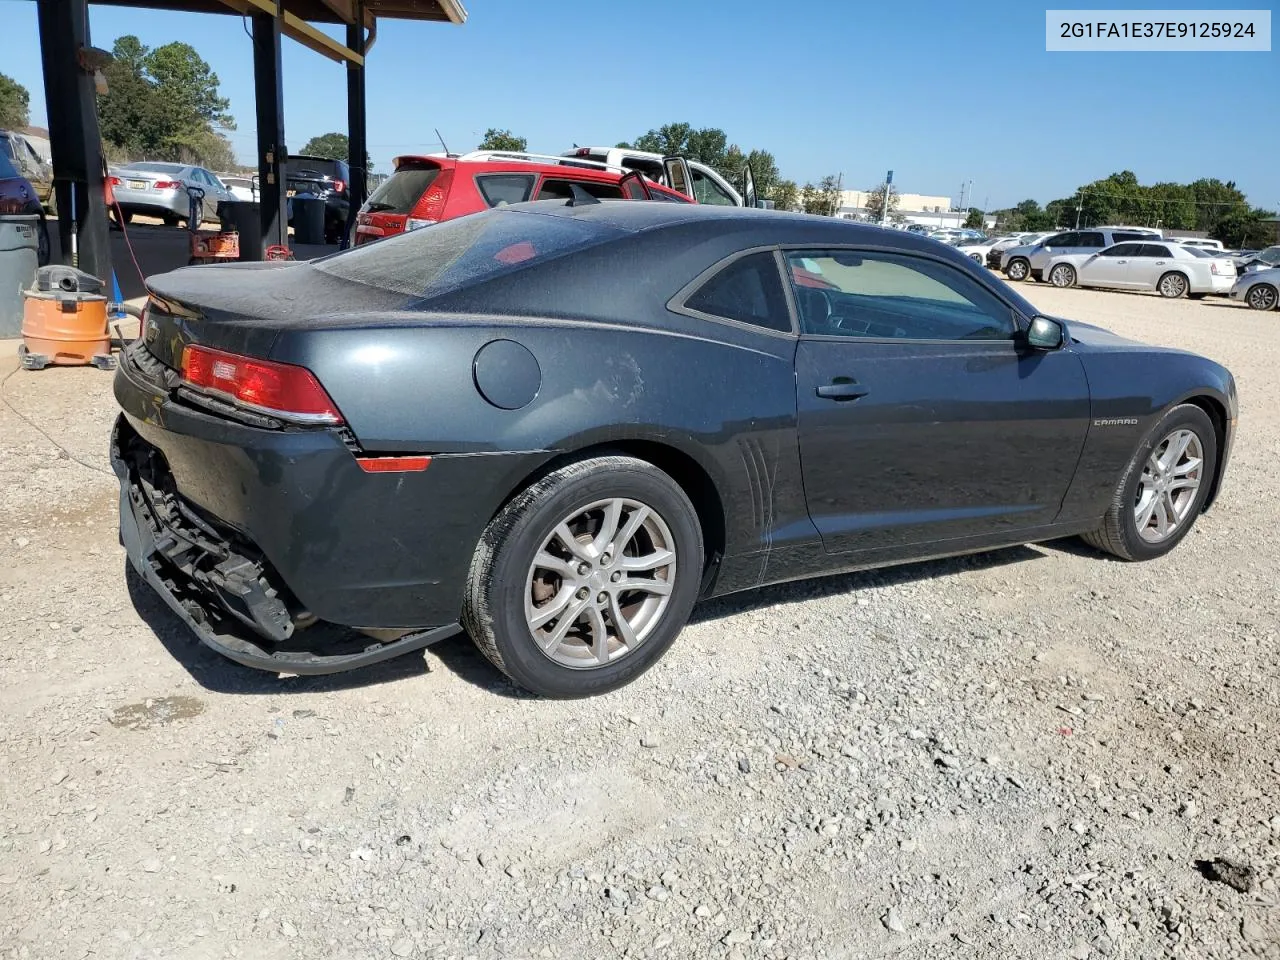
(226, 592)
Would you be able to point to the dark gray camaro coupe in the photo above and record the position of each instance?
(560, 425)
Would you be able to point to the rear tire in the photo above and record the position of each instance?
(1197, 296)
(1063, 275)
(1141, 484)
(1173, 285)
(171, 219)
(1018, 269)
(523, 571)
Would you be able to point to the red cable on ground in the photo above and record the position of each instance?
(133, 256)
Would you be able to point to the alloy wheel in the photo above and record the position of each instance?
(600, 583)
(1167, 488)
(1018, 270)
(1063, 276)
(1173, 285)
(1262, 296)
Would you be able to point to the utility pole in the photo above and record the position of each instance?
(1079, 207)
(884, 203)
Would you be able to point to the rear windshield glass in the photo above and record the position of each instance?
(156, 167)
(308, 167)
(400, 191)
(7, 172)
(461, 252)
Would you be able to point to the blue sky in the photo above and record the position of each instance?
(941, 92)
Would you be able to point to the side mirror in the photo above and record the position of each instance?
(748, 187)
(1046, 333)
(678, 177)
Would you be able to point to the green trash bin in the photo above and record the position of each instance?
(19, 258)
(308, 219)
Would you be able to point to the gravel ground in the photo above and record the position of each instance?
(1035, 752)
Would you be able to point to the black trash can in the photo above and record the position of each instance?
(245, 218)
(19, 258)
(308, 219)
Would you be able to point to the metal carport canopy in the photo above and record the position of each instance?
(73, 122)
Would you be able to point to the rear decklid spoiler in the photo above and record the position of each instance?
(242, 307)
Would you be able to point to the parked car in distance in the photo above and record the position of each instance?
(560, 424)
(19, 196)
(1260, 289)
(159, 189)
(1171, 269)
(1204, 243)
(429, 189)
(242, 187)
(30, 165)
(326, 179)
(1018, 263)
(1259, 259)
(708, 186)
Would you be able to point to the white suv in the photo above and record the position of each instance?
(708, 186)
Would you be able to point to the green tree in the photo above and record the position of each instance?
(1242, 228)
(333, 146)
(875, 202)
(823, 199)
(785, 195)
(974, 220)
(15, 103)
(164, 104)
(495, 139)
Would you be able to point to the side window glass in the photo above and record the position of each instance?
(748, 290)
(1121, 250)
(1091, 239)
(563, 189)
(1061, 240)
(706, 190)
(499, 189)
(890, 296)
(1154, 250)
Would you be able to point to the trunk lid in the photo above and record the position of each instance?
(242, 307)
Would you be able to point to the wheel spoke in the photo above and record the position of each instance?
(650, 561)
(637, 517)
(546, 561)
(1184, 483)
(620, 622)
(660, 587)
(1143, 514)
(1170, 509)
(1191, 464)
(539, 617)
(599, 634)
(1162, 516)
(553, 639)
(572, 543)
(608, 528)
(1177, 447)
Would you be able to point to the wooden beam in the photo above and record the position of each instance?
(296, 28)
(344, 10)
(454, 10)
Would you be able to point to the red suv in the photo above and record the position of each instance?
(426, 190)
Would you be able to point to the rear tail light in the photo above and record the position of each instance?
(393, 464)
(430, 206)
(584, 151)
(113, 181)
(168, 184)
(282, 389)
(339, 186)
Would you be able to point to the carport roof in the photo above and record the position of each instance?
(317, 11)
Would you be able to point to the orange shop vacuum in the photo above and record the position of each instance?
(64, 321)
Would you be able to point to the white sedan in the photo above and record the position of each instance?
(1260, 289)
(1171, 269)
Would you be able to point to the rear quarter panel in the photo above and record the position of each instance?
(408, 383)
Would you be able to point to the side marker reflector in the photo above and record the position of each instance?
(393, 464)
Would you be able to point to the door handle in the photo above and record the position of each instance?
(1122, 261)
(845, 390)
(1159, 263)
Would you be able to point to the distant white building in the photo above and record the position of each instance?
(912, 207)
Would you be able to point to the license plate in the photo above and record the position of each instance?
(137, 184)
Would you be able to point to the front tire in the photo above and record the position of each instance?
(1063, 275)
(1262, 296)
(1173, 286)
(1018, 269)
(584, 580)
(1163, 488)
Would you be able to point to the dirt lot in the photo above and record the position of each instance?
(1020, 754)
